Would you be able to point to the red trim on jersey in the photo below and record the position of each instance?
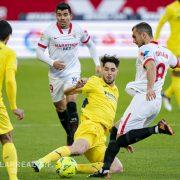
(59, 27)
(154, 42)
(86, 40)
(147, 60)
(42, 46)
(70, 28)
(122, 127)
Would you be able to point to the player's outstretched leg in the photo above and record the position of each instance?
(130, 137)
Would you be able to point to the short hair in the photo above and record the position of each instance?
(112, 59)
(5, 30)
(63, 6)
(143, 27)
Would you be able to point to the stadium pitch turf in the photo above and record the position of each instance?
(40, 132)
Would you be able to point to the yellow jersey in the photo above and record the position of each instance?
(101, 102)
(171, 15)
(8, 68)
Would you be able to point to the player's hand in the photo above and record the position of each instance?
(59, 65)
(130, 149)
(81, 83)
(150, 94)
(98, 70)
(19, 113)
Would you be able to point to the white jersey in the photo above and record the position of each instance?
(63, 45)
(162, 57)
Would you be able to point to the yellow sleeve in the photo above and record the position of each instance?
(163, 20)
(10, 81)
(89, 86)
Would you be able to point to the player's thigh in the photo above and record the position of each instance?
(96, 154)
(86, 130)
(56, 86)
(5, 124)
(139, 113)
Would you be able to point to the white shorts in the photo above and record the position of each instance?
(57, 85)
(140, 113)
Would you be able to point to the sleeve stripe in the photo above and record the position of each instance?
(86, 40)
(42, 46)
(147, 60)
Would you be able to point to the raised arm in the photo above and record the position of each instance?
(77, 88)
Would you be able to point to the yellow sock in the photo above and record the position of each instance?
(10, 160)
(56, 154)
(89, 168)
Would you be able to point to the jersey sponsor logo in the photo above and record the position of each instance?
(110, 96)
(65, 47)
(163, 54)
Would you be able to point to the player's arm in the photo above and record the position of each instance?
(86, 40)
(11, 87)
(41, 55)
(93, 52)
(151, 78)
(162, 21)
(77, 88)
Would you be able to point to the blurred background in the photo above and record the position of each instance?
(109, 22)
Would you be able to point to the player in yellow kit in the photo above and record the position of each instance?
(98, 113)
(7, 74)
(172, 15)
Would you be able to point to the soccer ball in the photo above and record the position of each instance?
(66, 167)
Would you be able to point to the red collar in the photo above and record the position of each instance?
(60, 29)
(154, 42)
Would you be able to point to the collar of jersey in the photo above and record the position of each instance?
(60, 29)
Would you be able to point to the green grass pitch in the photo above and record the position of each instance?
(40, 132)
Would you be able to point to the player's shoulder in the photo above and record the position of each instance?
(145, 49)
(77, 27)
(9, 51)
(94, 78)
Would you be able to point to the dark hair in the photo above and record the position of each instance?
(143, 27)
(112, 59)
(63, 6)
(5, 30)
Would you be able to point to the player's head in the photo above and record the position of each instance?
(142, 34)
(63, 14)
(109, 68)
(5, 31)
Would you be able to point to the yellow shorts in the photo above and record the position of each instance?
(5, 124)
(94, 133)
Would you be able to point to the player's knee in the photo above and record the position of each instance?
(116, 166)
(6, 138)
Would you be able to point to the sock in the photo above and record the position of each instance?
(89, 168)
(113, 133)
(135, 135)
(73, 117)
(63, 117)
(10, 160)
(110, 154)
(56, 154)
(124, 140)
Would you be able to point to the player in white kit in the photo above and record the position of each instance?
(62, 40)
(151, 68)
